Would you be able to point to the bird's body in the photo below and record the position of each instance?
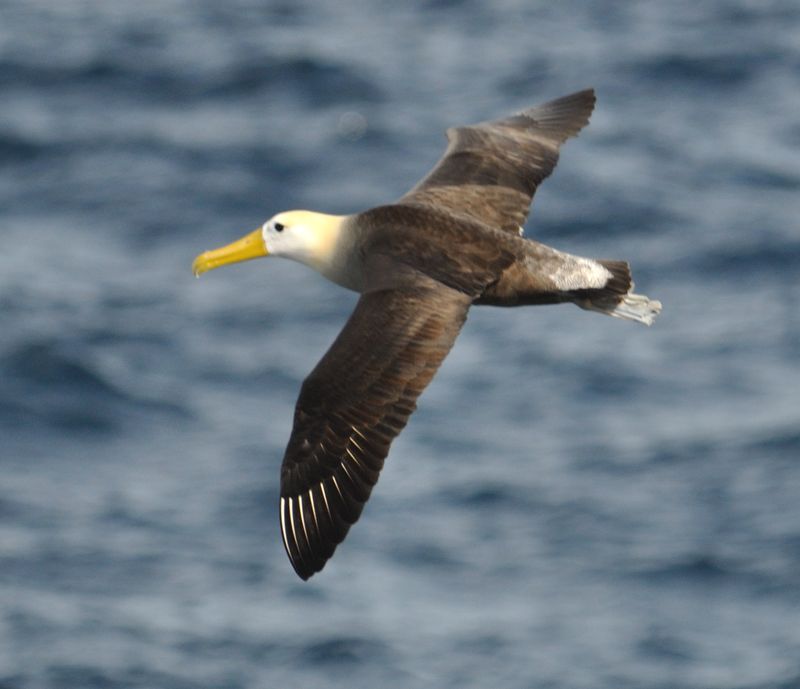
(453, 241)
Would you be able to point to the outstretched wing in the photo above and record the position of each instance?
(490, 171)
(351, 407)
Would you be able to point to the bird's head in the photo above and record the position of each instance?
(303, 236)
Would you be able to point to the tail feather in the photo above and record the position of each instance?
(616, 298)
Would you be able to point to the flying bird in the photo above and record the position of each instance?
(419, 263)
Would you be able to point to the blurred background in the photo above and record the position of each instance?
(579, 502)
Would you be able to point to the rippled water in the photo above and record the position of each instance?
(578, 502)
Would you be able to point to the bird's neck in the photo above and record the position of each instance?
(328, 232)
(325, 244)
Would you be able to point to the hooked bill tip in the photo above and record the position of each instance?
(200, 264)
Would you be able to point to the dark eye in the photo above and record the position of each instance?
(278, 227)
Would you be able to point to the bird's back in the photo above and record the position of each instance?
(449, 248)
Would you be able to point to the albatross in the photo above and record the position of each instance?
(453, 241)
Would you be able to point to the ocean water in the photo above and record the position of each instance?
(579, 502)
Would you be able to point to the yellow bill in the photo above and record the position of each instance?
(248, 247)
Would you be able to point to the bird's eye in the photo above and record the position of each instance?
(278, 227)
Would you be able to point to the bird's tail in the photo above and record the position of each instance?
(616, 298)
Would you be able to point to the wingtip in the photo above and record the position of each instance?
(304, 575)
(565, 116)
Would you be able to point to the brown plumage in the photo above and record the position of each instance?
(351, 407)
(490, 171)
(452, 241)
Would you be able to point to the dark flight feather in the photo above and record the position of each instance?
(351, 407)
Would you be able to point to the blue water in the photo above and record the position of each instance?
(579, 502)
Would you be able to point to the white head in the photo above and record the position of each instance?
(303, 236)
